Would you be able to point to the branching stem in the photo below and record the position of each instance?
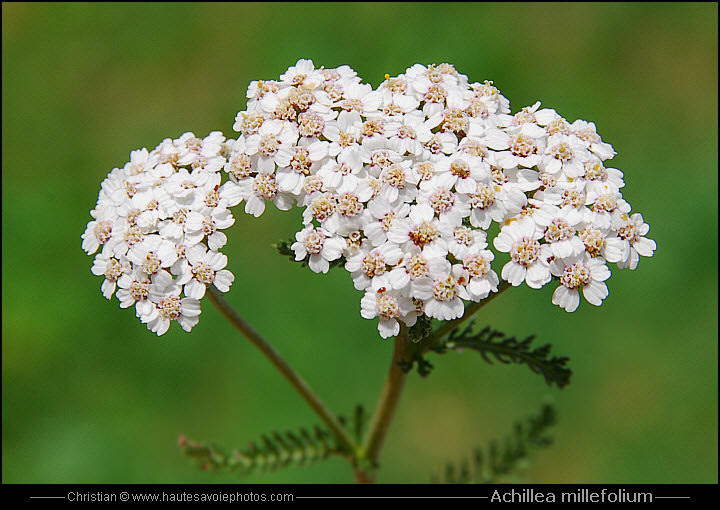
(365, 458)
(285, 369)
(385, 410)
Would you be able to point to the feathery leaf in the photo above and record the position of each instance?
(491, 344)
(274, 451)
(499, 463)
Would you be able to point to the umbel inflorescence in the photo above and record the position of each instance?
(403, 181)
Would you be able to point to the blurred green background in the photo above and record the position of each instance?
(90, 395)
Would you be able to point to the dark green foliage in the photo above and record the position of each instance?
(356, 424)
(421, 330)
(270, 453)
(284, 248)
(501, 460)
(492, 343)
(424, 367)
(276, 450)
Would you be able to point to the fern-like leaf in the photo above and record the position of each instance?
(501, 460)
(494, 344)
(421, 330)
(276, 450)
(270, 453)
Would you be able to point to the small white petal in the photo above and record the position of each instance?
(513, 273)
(569, 299)
(595, 292)
(194, 289)
(645, 247)
(318, 264)
(388, 328)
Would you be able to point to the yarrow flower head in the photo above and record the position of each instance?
(399, 185)
(152, 221)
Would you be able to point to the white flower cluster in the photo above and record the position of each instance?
(403, 181)
(159, 221)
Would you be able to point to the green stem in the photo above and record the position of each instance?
(297, 382)
(385, 410)
(395, 383)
